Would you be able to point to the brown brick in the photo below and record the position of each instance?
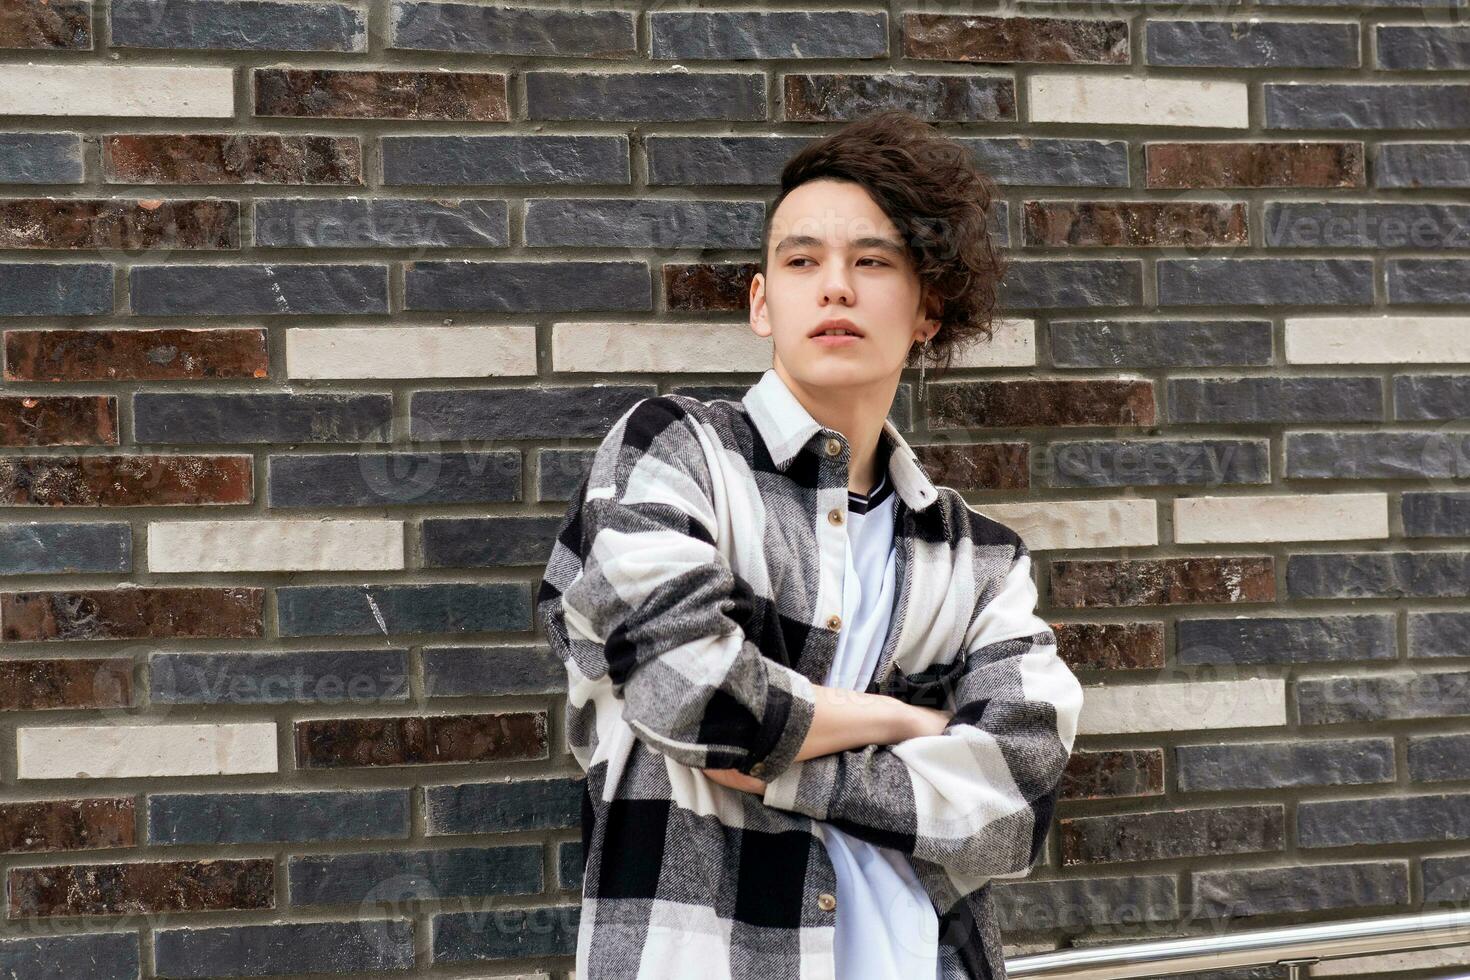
(1274, 164)
(1113, 774)
(1000, 404)
(124, 481)
(50, 24)
(1162, 581)
(131, 613)
(1165, 834)
(58, 420)
(703, 287)
(167, 354)
(32, 826)
(75, 223)
(327, 94)
(498, 737)
(978, 466)
(1053, 40)
(1111, 646)
(241, 158)
(938, 98)
(140, 887)
(1133, 223)
(100, 682)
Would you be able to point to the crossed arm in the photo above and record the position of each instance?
(651, 606)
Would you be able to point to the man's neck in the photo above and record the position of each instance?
(857, 413)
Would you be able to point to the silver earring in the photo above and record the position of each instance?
(923, 360)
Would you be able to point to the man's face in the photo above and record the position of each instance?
(834, 254)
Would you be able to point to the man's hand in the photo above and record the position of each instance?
(735, 779)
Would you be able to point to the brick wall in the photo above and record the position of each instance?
(313, 312)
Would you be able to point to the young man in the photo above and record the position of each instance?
(817, 710)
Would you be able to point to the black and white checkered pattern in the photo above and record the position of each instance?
(691, 592)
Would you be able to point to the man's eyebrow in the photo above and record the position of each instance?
(867, 241)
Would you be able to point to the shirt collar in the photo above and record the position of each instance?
(786, 426)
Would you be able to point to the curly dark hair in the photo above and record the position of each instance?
(932, 191)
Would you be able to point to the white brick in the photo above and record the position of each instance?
(116, 90)
(1129, 100)
(1179, 707)
(1047, 525)
(647, 347)
(275, 545)
(496, 350)
(1283, 517)
(101, 751)
(1377, 339)
(1012, 345)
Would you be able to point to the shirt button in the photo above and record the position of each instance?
(835, 516)
(827, 901)
(758, 770)
(834, 446)
(834, 622)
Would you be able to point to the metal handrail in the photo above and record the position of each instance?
(1296, 947)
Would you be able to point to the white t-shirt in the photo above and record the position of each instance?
(886, 926)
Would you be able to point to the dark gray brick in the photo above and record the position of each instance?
(472, 28)
(569, 864)
(492, 808)
(1251, 44)
(1446, 880)
(720, 160)
(298, 676)
(744, 34)
(442, 607)
(1435, 48)
(558, 471)
(558, 412)
(1286, 639)
(1397, 105)
(1160, 343)
(527, 287)
(1275, 399)
(60, 289)
(188, 417)
(367, 223)
(239, 290)
(288, 947)
(1428, 280)
(1078, 903)
(1383, 697)
(505, 933)
(57, 547)
(644, 222)
(470, 160)
(1281, 765)
(1364, 224)
(268, 818)
(1154, 462)
(241, 25)
(1431, 397)
(1372, 455)
(1164, 834)
(1067, 283)
(79, 956)
(412, 876)
(1422, 165)
(939, 98)
(1438, 634)
(1265, 282)
(487, 542)
(661, 96)
(1378, 574)
(384, 479)
(1434, 758)
(1445, 515)
(1390, 820)
(466, 671)
(40, 158)
(1051, 161)
(1244, 892)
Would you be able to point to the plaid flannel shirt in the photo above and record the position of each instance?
(692, 592)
